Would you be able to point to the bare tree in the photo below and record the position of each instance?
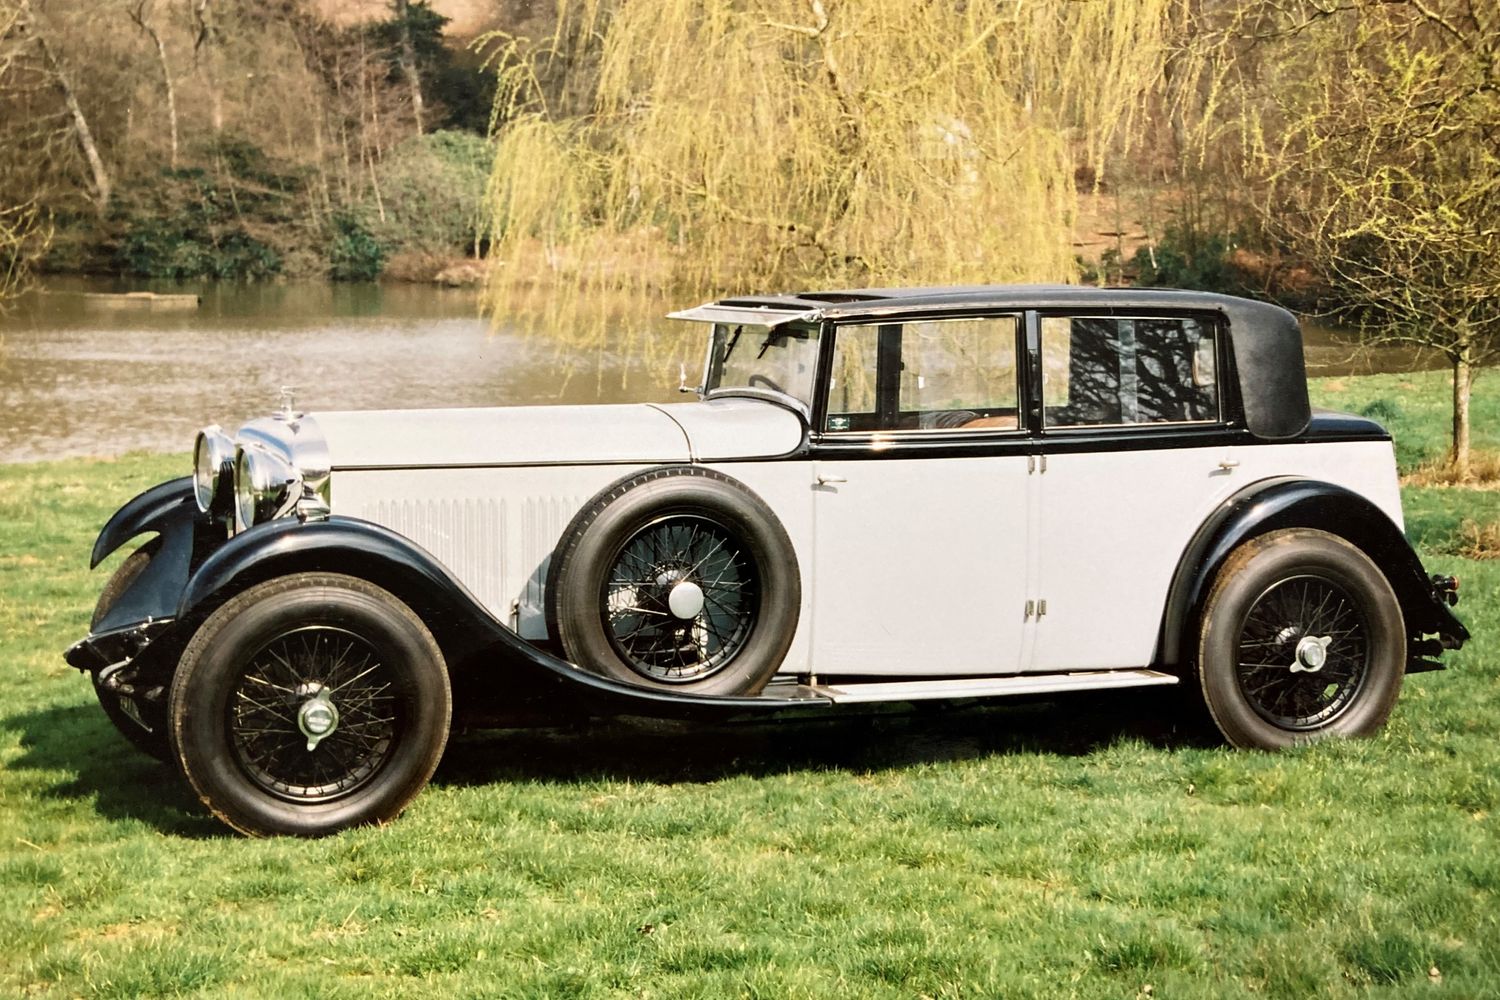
(1386, 176)
(141, 14)
(30, 25)
(406, 58)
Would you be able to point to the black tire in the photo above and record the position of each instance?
(612, 577)
(1275, 600)
(252, 674)
(153, 742)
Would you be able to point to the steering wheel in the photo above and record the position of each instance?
(759, 379)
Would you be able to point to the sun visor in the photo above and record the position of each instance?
(744, 315)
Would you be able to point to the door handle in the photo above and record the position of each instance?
(1229, 463)
(828, 479)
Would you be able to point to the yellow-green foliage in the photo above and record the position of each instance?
(766, 143)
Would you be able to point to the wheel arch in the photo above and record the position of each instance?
(1293, 502)
(350, 547)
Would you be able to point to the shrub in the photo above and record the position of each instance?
(354, 254)
(432, 190)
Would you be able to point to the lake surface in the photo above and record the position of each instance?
(83, 376)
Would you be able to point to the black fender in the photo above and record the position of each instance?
(149, 511)
(1289, 502)
(170, 511)
(473, 641)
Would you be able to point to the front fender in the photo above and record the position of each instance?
(1287, 502)
(170, 511)
(471, 638)
(150, 511)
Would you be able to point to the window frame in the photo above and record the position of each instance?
(1210, 322)
(888, 389)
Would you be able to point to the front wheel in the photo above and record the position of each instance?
(1302, 639)
(309, 704)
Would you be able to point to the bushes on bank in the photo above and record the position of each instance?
(235, 213)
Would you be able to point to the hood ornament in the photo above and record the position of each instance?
(288, 409)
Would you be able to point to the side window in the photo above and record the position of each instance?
(932, 375)
(1103, 371)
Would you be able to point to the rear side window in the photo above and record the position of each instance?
(1104, 371)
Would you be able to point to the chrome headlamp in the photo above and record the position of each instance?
(266, 485)
(274, 466)
(213, 469)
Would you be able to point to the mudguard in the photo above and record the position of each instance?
(1288, 502)
(170, 511)
(473, 641)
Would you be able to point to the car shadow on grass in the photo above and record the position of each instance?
(77, 754)
(670, 753)
(77, 749)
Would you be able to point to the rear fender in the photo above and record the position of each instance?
(1274, 504)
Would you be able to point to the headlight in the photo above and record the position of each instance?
(265, 486)
(213, 461)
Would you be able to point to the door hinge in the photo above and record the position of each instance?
(1036, 464)
(1041, 609)
(1030, 610)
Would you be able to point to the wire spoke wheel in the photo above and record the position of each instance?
(1303, 652)
(314, 714)
(680, 598)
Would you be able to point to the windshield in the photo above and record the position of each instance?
(782, 358)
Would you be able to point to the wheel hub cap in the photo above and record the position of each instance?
(1311, 654)
(685, 599)
(317, 718)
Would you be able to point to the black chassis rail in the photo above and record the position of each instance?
(135, 648)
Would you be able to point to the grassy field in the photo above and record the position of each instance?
(1083, 848)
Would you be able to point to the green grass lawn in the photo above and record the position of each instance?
(1417, 407)
(1093, 847)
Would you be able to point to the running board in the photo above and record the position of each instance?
(990, 687)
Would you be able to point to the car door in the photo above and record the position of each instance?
(1135, 457)
(921, 501)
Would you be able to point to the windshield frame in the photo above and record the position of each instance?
(728, 339)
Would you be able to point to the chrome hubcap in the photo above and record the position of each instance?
(685, 600)
(1311, 654)
(317, 718)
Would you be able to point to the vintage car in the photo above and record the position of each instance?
(878, 496)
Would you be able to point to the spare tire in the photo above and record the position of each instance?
(678, 578)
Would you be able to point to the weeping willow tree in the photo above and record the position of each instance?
(782, 143)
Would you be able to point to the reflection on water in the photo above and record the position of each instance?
(85, 376)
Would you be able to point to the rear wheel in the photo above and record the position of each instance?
(1302, 639)
(310, 704)
(154, 740)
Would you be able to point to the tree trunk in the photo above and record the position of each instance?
(139, 16)
(208, 39)
(102, 186)
(407, 59)
(1463, 383)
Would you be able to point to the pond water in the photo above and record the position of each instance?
(90, 376)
